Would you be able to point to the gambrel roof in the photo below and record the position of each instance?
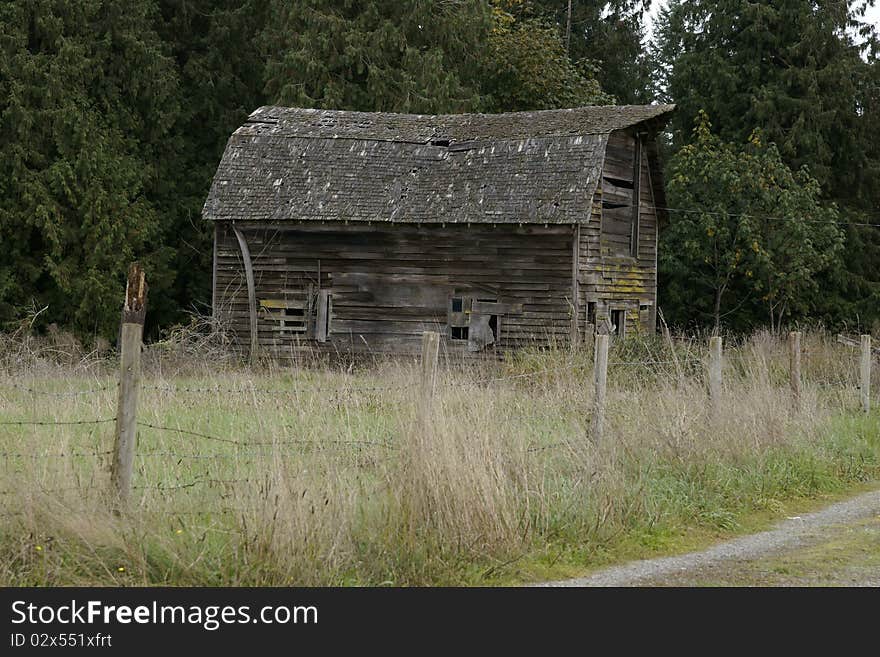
(289, 164)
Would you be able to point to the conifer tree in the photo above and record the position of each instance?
(419, 56)
(87, 95)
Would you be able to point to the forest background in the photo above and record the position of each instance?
(114, 115)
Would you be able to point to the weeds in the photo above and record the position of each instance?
(326, 474)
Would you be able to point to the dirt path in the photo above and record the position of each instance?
(837, 546)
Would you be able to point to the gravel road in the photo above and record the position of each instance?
(838, 546)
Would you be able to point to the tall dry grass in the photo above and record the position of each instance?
(328, 474)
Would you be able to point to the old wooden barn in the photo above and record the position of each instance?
(358, 231)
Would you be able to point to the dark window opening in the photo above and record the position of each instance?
(619, 182)
(591, 313)
(294, 312)
(618, 322)
(473, 319)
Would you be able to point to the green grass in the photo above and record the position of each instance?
(332, 478)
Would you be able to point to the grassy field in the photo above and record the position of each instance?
(324, 474)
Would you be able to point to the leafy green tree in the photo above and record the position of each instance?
(751, 234)
(527, 67)
(87, 95)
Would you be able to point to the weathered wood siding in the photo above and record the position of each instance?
(610, 276)
(388, 283)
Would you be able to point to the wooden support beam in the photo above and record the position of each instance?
(252, 290)
(214, 314)
(850, 342)
(322, 322)
(493, 308)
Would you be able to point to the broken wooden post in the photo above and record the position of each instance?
(794, 360)
(430, 353)
(133, 314)
(865, 386)
(600, 380)
(715, 375)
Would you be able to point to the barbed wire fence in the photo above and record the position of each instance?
(711, 363)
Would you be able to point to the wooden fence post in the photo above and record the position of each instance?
(133, 314)
(600, 379)
(794, 359)
(715, 375)
(865, 387)
(430, 353)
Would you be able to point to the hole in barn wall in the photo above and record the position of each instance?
(591, 314)
(619, 182)
(618, 322)
(493, 319)
(460, 332)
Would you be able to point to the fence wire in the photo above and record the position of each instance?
(53, 393)
(247, 444)
(340, 393)
(54, 423)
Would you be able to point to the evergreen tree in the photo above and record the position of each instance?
(87, 95)
(215, 48)
(418, 56)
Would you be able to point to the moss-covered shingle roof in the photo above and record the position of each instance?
(290, 164)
